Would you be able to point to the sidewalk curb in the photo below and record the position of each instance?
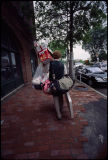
(92, 89)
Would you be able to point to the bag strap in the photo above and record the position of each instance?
(53, 75)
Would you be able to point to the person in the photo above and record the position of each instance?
(57, 69)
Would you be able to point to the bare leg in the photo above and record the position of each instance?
(57, 106)
(69, 102)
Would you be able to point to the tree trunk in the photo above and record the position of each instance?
(67, 59)
(71, 71)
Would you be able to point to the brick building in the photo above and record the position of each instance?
(18, 58)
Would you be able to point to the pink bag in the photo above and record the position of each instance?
(46, 87)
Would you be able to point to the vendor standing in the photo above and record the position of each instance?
(48, 68)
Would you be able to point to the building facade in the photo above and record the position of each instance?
(18, 58)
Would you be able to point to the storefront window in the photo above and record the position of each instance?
(15, 64)
(11, 74)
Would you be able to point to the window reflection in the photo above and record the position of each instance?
(9, 67)
(6, 73)
(13, 58)
(5, 59)
(11, 75)
(14, 65)
(16, 73)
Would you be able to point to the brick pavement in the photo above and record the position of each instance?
(30, 129)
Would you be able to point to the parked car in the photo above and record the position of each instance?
(101, 65)
(77, 64)
(79, 68)
(92, 76)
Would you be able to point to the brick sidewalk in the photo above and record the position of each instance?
(30, 129)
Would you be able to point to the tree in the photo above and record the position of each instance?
(102, 55)
(58, 45)
(67, 21)
(95, 41)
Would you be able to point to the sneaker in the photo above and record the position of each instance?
(59, 117)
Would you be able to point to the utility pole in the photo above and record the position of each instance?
(67, 52)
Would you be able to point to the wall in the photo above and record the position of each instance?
(23, 33)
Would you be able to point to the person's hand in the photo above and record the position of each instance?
(53, 87)
(35, 44)
(42, 84)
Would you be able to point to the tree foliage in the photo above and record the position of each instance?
(102, 55)
(95, 41)
(53, 18)
(58, 45)
(68, 21)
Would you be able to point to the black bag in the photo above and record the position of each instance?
(62, 85)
